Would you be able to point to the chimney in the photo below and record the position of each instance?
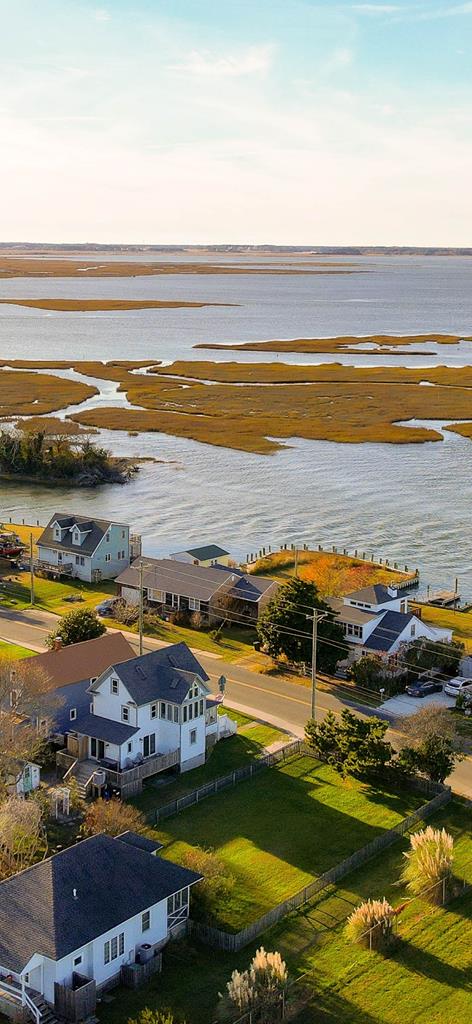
(57, 643)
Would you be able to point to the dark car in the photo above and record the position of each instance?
(423, 688)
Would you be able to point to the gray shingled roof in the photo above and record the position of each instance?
(160, 675)
(140, 842)
(196, 581)
(376, 594)
(206, 551)
(113, 880)
(96, 530)
(388, 630)
(102, 728)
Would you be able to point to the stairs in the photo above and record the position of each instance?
(47, 1015)
(82, 771)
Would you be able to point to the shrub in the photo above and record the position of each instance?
(148, 1016)
(217, 881)
(111, 817)
(78, 625)
(351, 744)
(372, 673)
(371, 924)
(261, 985)
(428, 868)
(180, 618)
(125, 612)
(196, 620)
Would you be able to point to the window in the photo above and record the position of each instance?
(146, 921)
(149, 745)
(195, 709)
(190, 712)
(107, 537)
(108, 557)
(123, 534)
(73, 714)
(176, 714)
(77, 560)
(413, 629)
(162, 710)
(169, 712)
(202, 703)
(114, 687)
(185, 712)
(77, 961)
(153, 711)
(113, 948)
(124, 713)
(93, 679)
(353, 630)
(129, 748)
(193, 736)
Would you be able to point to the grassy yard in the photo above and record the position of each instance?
(278, 830)
(425, 980)
(14, 651)
(235, 643)
(51, 594)
(334, 574)
(227, 755)
(447, 618)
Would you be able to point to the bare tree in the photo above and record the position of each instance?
(431, 720)
(28, 702)
(22, 834)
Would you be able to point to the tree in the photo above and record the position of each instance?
(217, 881)
(283, 628)
(27, 706)
(372, 673)
(260, 986)
(422, 655)
(21, 834)
(78, 625)
(429, 863)
(430, 720)
(351, 745)
(112, 817)
(371, 924)
(435, 757)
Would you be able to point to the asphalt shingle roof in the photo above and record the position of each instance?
(206, 551)
(102, 728)
(376, 594)
(96, 530)
(388, 630)
(114, 881)
(76, 662)
(140, 842)
(161, 675)
(196, 581)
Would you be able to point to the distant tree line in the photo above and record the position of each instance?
(51, 456)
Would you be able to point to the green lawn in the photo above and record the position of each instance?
(235, 643)
(425, 980)
(227, 755)
(14, 651)
(50, 594)
(282, 828)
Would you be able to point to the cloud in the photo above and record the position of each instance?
(252, 61)
(101, 14)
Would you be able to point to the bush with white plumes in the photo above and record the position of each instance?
(261, 983)
(428, 867)
(371, 924)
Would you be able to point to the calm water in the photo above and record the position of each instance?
(408, 503)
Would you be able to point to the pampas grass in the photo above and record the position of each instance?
(429, 862)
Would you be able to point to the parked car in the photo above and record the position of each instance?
(460, 684)
(106, 607)
(423, 687)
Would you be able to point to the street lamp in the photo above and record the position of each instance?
(314, 619)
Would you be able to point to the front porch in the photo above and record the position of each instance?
(19, 1002)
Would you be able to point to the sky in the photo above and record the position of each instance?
(238, 121)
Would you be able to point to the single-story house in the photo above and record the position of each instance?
(178, 586)
(206, 555)
(70, 924)
(376, 620)
(89, 549)
(144, 715)
(72, 669)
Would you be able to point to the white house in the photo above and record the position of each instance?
(206, 555)
(376, 620)
(73, 921)
(145, 715)
(90, 549)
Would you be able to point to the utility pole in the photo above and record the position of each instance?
(141, 605)
(295, 571)
(315, 619)
(31, 571)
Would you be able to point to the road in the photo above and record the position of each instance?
(280, 702)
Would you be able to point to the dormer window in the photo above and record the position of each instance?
(76, 537)
(73, 714)
(114, 686)
(57, 533)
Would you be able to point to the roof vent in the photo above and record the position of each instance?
(139, 669)
(74, 894)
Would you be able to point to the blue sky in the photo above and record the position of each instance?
(251, 121)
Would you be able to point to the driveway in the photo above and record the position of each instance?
(402, 705)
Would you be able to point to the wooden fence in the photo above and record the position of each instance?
(232, 943)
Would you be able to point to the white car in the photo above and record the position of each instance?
(460, 684)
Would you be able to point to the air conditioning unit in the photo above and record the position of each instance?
(144, 953)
